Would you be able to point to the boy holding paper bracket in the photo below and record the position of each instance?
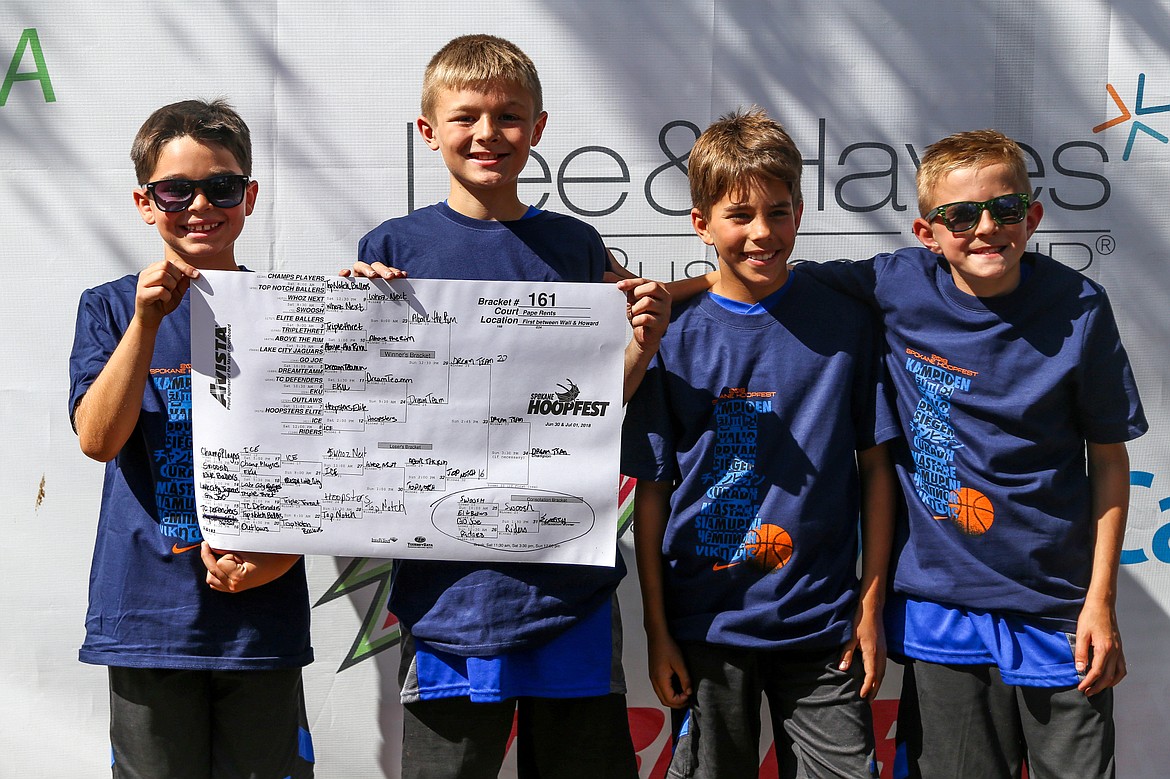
(204, 681)
(481, 640)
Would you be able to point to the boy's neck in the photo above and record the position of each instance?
(735, 288)
(502, 205)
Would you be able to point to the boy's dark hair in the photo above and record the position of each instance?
(475, 62)
(207, 122)
(738, 149)
(971, 149)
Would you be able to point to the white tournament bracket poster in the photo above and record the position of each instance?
(459, 420)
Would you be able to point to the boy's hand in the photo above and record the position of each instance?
(648, 309)
(377, 270)
(668, 672)
(161, 288)
(870, 636)
(239, 571)
(1098, 648)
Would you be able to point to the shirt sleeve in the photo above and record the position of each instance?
(1109, 408)
(648, 441)
(94, 340)
(876, 419)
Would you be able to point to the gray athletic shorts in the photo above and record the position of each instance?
(823, 727)
(202, 724)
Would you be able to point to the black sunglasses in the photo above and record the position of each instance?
(226, 191)
(964, 215)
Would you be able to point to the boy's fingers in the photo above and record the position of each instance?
(366, 270)
(847, 655)
(1081, 652)
(184, 268)
(684, 681)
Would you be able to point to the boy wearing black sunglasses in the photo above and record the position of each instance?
(1016, 398)
(204, 680)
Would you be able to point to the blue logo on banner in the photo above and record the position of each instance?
(1160, 543)
(1139, 109)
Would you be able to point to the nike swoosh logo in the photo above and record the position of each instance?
(176, 549)
(723, 566)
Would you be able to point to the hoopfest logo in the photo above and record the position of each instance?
(565, 402)
(1139, 109)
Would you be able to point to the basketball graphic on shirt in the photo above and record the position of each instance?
(971, 510)
(768, 547)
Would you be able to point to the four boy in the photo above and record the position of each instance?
(758, 438)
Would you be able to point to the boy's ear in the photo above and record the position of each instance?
(144, 206)
(1035, 214)
(538, 128)
(250, 197)
(924, 231)
(427, 131)
(699, 222)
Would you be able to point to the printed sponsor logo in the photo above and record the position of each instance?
(221, 388)
(419, 542)
(566, 402)
(1139, 109)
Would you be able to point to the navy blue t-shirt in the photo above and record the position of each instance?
(758, 418)
(472, 608)
(997, 397)
(149, 603)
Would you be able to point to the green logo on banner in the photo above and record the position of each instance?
(28, 40)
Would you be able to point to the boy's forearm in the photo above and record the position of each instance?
(637, 360)
(685, 289)
(1108, 468)
(878, 486)
(651, 512)
(108, 412)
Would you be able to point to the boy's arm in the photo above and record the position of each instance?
(668, 672)
(682, 289)
(855, 278)
(1098, 646)
(239, 571)
(107, 413)
(876, 476)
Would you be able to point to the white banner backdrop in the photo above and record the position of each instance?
(330, 91)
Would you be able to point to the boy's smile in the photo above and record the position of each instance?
(485, 138)
(753, 233)
(985, 260)
(201, 234)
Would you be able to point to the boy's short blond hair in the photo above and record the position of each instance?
(207, 122)
(738, 149)
(477, 62)
(971, 149)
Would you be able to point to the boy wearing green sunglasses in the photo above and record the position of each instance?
(1016, 398)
